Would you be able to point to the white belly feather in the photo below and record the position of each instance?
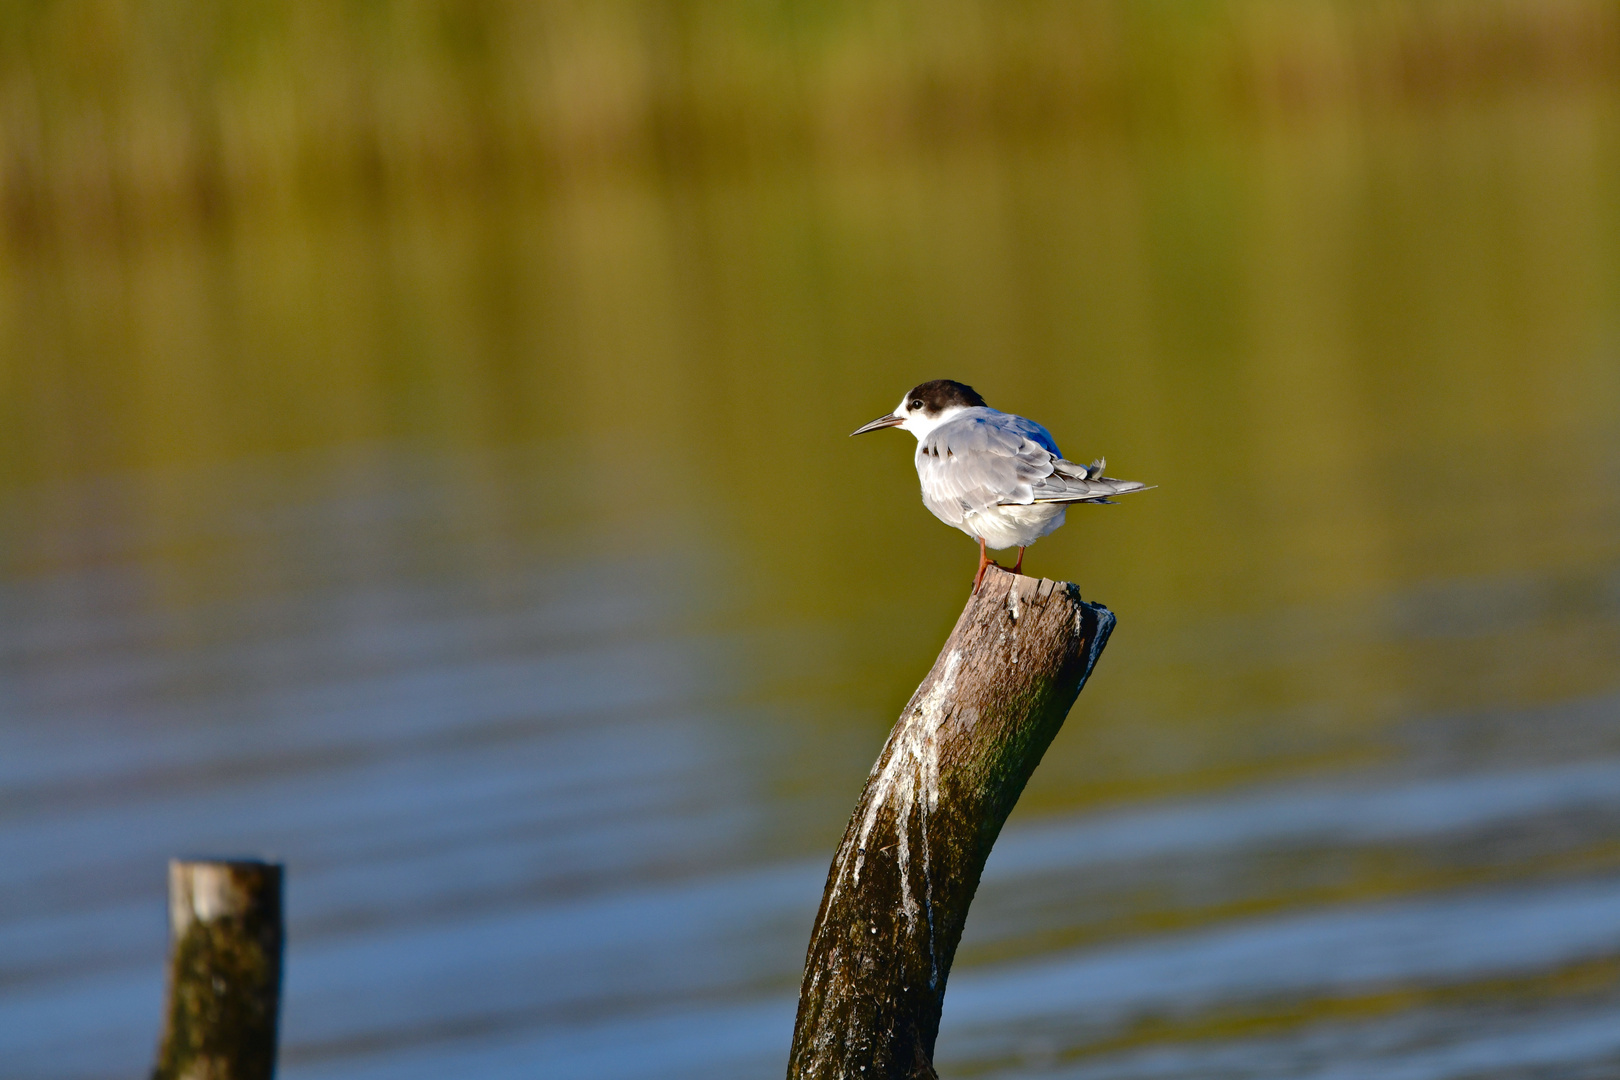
(1010, 526)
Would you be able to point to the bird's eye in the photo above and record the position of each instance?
(916, 403)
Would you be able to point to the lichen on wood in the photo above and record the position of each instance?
(898, 891)
(221, 1018)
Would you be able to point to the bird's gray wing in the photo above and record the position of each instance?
(983, 458)
(1070, 482)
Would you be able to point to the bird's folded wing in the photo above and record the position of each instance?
(976, 462)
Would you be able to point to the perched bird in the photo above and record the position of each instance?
(998, 477)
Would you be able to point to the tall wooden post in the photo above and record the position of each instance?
(225, 923)
(898, 892)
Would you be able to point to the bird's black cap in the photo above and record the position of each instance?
(937, 395)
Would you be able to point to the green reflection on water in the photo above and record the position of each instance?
(1340, 280)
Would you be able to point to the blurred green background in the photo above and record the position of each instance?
(1341, 278)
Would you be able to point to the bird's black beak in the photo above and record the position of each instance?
(886, 420)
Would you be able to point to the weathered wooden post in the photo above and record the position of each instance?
(224, 1000)
(898, 892)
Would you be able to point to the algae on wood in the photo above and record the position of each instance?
(225, 922)
(898, 892)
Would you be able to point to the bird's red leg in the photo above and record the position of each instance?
(985, 562)
(1018, 567)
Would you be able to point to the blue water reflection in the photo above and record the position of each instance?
(529, 825)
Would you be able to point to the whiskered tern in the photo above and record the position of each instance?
(998, 477)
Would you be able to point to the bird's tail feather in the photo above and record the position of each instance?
(1087, 484)
(1101, 492)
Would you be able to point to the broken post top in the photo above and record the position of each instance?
(954, 765)
(205, 890)
(225, 962)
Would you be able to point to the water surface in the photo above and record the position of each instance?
(482, 538)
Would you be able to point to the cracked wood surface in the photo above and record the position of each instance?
(898, 892)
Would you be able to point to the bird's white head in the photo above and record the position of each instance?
(926, 406)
